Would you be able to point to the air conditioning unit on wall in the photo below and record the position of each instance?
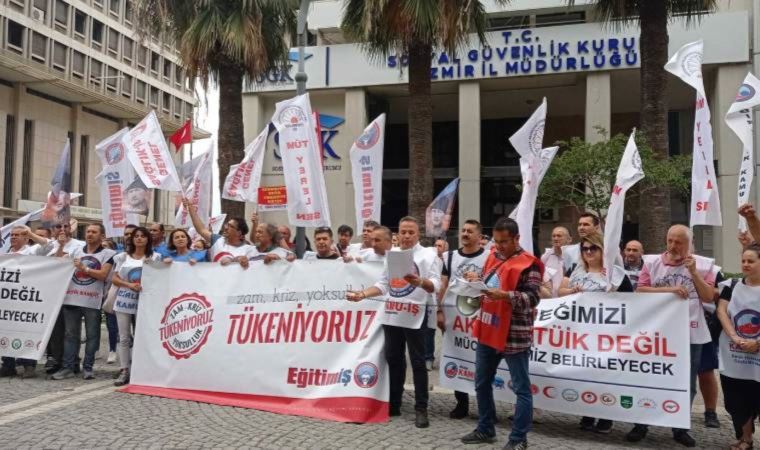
(38, 14)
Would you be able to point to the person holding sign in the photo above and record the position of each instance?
(404, 318)
(505, 331)
(738, 311)
(230, 244)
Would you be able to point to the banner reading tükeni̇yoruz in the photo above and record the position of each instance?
(595, 354)
(31, 294)
(288, 340)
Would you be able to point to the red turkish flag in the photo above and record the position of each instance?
(182, 136)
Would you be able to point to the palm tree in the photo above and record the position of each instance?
(652, 17)
(415, 28)
(226, 43)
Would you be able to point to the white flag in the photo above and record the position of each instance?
(529, 140)
(367, 171)
(242, 183)
(214, 224)
(739, 119)
(686, 64)
(199, 194)
(533, 168)
(147, 150)
(120, 199)
(301, 163)
(5, 231)
(629, 173)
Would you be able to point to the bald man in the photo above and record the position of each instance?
(552, 259)
(691, 278)
(632, 261)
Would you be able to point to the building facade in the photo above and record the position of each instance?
(588, 73)
(76, 69)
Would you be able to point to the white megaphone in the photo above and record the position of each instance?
(467, 306)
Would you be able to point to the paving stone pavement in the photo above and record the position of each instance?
(77, 414)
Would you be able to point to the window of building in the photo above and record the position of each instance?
(155, 62)
(142, 56)
(168, 71)
(80, 23)
(112, 79)
(17, 5)
(128, 12)
(167, 103)
(188, 109)
(126, 85)
(550, 20)
(113, 7)
(98, 4)
(26, 173)
(178, 76)
(97, 33)
(96, 71)
(40, 5)
(127, 50)
(177, 108)
(60, 56)
(84, 164)
(113, 41)
(140, 91)
(39, 47)
(10, 160)
(61, 15)
(15, 37)
(507, 23)
(77, 64)
(154, 97)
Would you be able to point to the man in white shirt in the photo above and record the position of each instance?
(412, 290)
(382, 241)
(355, 249)
(571, 254)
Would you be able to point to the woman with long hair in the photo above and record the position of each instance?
(739, 314)
(127, 278)
(591, 276)
(180, 250)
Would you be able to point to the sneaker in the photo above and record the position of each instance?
(711, 419)
(460, 412)
(6, 371)
(123, 378)
(587, 423)
(478, 437)
(638, 433)
(29, 372)
(88, 374)
(63, 374)
(421, 419)
(394, 411)
(429, 365)
(683, 438)
(111, 358)
(604, 426)
(51, 365)
(514, 445)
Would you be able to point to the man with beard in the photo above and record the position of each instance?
(633, 261)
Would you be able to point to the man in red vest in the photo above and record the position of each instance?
(505, 330)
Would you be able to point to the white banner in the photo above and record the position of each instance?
(686, 64)
(199, 194)
(31, 294)
(120, 199)
(367, 171)
(148, 153)
(595, 354)
(301, 163)
(629, 173)
(529, 140)
(243, 181)
(533, 168)
(739, 119)
(284, 335)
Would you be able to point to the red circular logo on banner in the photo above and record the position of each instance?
(670, 406)
(588, 397)
(186, 325)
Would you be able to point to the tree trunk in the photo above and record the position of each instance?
(654, 213)
(230, 142)
(420, 130)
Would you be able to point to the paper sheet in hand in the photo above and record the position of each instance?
(400, 263)
(468, 288)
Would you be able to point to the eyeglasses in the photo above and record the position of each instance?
(589, 249)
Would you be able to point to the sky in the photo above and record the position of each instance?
(207, 118)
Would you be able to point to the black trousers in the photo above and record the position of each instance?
(55, 344)
(397, 340)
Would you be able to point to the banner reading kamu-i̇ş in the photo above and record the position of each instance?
(31, 294)
(278, 337)
(618, 356)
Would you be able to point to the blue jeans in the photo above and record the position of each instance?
(487, 360)
(113, 331)
(72, 321)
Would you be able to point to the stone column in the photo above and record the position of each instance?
(76, 113)
(19, 94)
(356, 120)
(598, 105)
(469, 151)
